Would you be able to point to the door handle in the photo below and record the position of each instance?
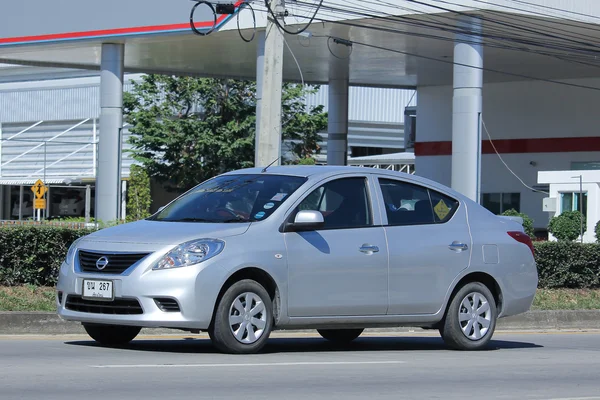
(457, 246)
(369, 249)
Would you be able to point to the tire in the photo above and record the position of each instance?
(112, 335)
(470, 334)
(340, 335)
(240, 324)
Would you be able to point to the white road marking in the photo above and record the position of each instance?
(282, 364)
(576, 398)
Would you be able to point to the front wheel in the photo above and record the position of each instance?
(243, 319)
(112, 335)
(470, 320)
(340, 335)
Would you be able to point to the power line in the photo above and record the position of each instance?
(556, 26)
(563, 21)
(504, 162)
(452, 19)
(507, 73)
(560, 56)
(280, 25)
(457, 30)
(481, 68)
(556, 9)
(544, 30)
(483, 18)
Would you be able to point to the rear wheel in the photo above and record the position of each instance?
(340, 335)
(243, 319)
(112, 335)
(471, 318)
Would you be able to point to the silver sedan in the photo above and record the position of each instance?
(336, 249)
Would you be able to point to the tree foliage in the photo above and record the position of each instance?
(566, 226)
(187, 129)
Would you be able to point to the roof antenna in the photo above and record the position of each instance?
(272, 162)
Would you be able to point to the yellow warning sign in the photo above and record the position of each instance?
(39, 189)
(441, 209)
(39, 204)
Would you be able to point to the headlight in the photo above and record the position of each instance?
(71, 253)
(190, 253)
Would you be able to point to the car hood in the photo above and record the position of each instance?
(166, 233)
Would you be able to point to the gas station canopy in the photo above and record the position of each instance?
(394, 50)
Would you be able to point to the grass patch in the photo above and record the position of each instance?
(31, 298)
(567, 299)
(27, 298)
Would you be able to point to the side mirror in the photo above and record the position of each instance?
(307, 220)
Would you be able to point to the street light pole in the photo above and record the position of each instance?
(580, 206)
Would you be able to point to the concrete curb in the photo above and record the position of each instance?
(44, 323)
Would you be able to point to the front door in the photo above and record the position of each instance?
(341, 269)
(429, 245)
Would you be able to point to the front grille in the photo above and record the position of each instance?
(167, 305)
(117, 306)
(117, 263)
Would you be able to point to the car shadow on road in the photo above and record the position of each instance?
(306, 345)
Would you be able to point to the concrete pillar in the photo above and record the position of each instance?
(108, 179)
(260, 67)
(269, 149)
(466, 111)
(337, 127)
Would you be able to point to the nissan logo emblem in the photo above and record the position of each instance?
(102, 263)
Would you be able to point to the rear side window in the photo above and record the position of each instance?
(443, 206)
(410, 204)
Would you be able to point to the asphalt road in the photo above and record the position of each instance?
(404, 366)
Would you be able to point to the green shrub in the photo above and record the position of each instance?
(138, 194)
(566, 226)
(527, 222)
(33, 254)
(306, 161)
(597, 230)
(568, 264)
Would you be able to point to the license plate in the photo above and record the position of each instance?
(97, 290)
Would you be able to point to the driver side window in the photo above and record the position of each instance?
(343, 202)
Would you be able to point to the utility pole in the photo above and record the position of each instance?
(269, 126)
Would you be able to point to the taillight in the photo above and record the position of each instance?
(522, 238)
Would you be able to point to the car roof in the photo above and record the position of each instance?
(323, 171)
(301, 170)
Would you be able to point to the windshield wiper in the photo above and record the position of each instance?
(189, 219)
(238, 219)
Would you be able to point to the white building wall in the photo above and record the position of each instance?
(514, 110)
(564, 181)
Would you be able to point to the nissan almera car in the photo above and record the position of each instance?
(336, 249)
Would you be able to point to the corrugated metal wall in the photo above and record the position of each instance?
(371, 104)
(70, 103)
(51, 104)
(368, 134)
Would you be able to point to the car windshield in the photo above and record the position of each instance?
(232, 198)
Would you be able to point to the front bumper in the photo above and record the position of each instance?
(194, 289)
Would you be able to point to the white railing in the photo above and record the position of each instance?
(43, 141)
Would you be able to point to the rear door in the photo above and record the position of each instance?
(429, 245)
